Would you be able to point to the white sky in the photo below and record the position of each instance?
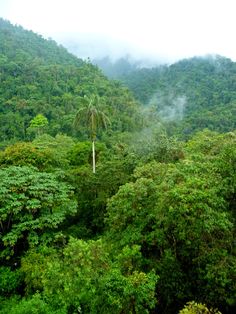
(164, 29)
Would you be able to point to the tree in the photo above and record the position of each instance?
(31, 204)
(91, 115)
(182, 216)
(197, 308)
(86, 278)
(26, 154)
(38, 123)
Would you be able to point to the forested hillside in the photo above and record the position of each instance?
(39, 77)
(101, 210)
(189, 95)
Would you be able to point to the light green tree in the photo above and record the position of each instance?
(91, 116)
(87, 278)
(38, 123)
(198, 308)
(31, 203)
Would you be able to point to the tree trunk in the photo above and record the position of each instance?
(94, 162)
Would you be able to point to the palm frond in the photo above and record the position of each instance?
(91, 115)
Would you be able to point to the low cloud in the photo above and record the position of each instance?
(169, 106)
(94, 46)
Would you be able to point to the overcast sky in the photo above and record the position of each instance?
(166, 30)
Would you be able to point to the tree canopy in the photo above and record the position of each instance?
(153, 229)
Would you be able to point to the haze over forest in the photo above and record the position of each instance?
(160, 31)
(118, 186)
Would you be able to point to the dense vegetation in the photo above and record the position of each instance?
(152, 230)
(38, 77)
(189, 95)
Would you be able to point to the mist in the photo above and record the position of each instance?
(97, 47)
(157, 31)
(170, 107)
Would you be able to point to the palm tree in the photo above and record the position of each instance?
(93, 117)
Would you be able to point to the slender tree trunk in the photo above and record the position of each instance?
(94, 162)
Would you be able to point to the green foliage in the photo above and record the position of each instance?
(33, 267)
(81, 153)
(189, 95)
(154, 206)
(91, 115)
(22, 44)
(60, 141)
(33, 305)
(86, 278)
(180, 214)
(153, 144)
(25, 154)
(57, 147)
(114, 168)
(31, 203)
(9, 280)
(197, 308)
(40, 79)
(38, 124)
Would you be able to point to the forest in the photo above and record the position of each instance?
(116, 195)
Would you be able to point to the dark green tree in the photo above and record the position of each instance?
(182, 216)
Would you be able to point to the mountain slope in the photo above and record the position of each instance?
(38, 76)
(21, 45)
(189, 95)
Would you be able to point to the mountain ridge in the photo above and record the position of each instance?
(205, 85)
(38, 76)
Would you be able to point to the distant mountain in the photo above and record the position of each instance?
(189, 95)
(118, 68)
(39, 76)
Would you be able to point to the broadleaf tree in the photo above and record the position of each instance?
(31, 203)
